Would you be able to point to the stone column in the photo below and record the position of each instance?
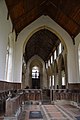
(66, 73)
(59, 79)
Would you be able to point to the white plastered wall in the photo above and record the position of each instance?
(5, 29)
(77, 42)
(11, 58)
(45, 21)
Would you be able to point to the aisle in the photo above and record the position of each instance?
(49, 112)
(26, 112)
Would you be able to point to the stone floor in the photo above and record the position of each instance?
(51, 112)
(71, 110)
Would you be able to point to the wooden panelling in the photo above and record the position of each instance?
(74, 86)
(65, 13)
(7, 85)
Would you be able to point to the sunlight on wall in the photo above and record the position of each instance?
(9, 59)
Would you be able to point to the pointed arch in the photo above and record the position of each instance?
(42, 22)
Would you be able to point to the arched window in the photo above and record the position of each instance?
(63, 78)
(52, 80)
(60, 48)
(46, 65)
(49, 81)
(35, 72)
(49, 63)
(54, 54)
(51, 59)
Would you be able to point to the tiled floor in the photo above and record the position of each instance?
(54, 113)
(51, 112)
(71, 110)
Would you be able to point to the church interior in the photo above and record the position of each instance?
(39, 59)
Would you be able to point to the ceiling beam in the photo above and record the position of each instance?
(14, 3)
(29, 12)
(60, 9)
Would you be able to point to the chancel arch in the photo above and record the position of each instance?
(36, 61)
(43, 43)
(53, 27)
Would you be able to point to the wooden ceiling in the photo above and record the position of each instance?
(42, 43)
(64, 12)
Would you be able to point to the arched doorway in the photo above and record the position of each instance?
(35, 77)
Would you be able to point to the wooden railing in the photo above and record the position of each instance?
(32, 94)
(71, 95)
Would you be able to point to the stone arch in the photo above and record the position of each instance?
(62, 34)
(48, 28)
(49, 71)
(77, 46)
(36, 60)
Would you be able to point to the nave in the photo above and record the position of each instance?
(40, 59)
